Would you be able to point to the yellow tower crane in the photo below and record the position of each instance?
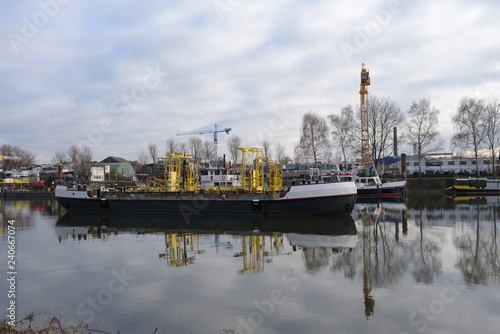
(365, 139)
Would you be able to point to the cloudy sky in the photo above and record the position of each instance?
(118, 75)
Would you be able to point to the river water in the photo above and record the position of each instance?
(427, 265)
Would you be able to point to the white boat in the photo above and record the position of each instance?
(369, 183)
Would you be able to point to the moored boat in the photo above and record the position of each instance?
(261, 193)
(370, 185)
(476, 186)
(303, 199)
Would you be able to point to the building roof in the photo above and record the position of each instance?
(112, 159)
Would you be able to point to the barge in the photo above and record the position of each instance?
(302, 199)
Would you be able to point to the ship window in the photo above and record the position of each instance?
(217, 172)
(224, 172)
(216, 184)
(451, 163)
(204, 172)
(463, 162)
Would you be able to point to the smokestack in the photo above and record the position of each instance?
(403, 165)
(395, 141)
(60, 170)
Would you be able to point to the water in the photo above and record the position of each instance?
(431, 265)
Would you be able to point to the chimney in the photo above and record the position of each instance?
(395, 141)
(403, 165)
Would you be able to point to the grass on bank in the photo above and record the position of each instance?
(50, 326)
(54, 326)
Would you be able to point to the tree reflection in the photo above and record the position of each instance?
(478, 249)
(317, 258)
(382, 259)
(426, 263)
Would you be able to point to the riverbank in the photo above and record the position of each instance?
(27, 194)
(429, 185)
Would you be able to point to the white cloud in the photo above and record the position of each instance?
(236, 71)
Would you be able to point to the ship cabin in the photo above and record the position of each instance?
(224, 178)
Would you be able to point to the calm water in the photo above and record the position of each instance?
(431, 265)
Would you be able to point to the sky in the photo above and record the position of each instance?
(119, 75)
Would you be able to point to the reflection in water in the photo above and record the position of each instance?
(254, 254)
(380, 244)
(178, 246)
(23, 210)
(479, 257)
(475, 235)
(260, 239)
(382, 247)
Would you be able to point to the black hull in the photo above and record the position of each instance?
(381, 192)
(477, 192)
(187, 208)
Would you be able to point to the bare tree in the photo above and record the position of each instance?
(74, 155)
(493, 131)
(143, 158)
(422, 129)
(80, 155)
(24, 158)
(383, 116)
(172, 145)
(183, 147)
(86, 155)
(470, 120)
(234, 142)
(153, 152)
(343, 130)
(208, 149)
(196, 145)
(266, 148)
(280, 151)
(59, 157)
(298, 154)
(313, 137)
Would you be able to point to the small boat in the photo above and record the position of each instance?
(372, 186)
(476, 186)
(369, 184)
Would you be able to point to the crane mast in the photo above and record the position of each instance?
(365, 139)
(215, 131)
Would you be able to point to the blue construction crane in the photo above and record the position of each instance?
(209, 129)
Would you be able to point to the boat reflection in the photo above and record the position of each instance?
(258, 240)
